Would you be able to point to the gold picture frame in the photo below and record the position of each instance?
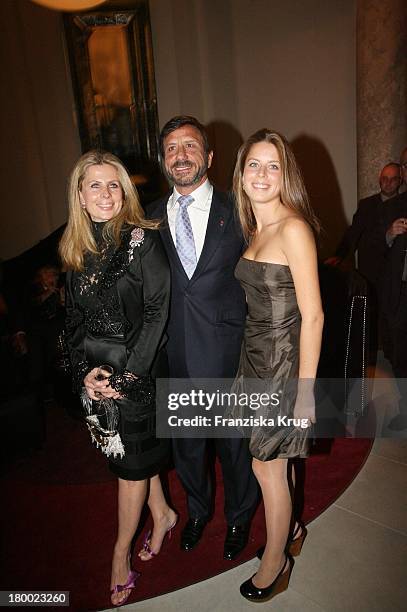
(112, 67)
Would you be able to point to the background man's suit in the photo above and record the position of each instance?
(205, 329)
(366, 235)
(394, 292)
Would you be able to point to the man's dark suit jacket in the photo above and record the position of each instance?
(208, 311)
(367, 235)
(395, 256)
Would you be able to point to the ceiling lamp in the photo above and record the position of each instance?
(69, 5)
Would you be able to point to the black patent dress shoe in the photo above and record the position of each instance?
(192, 532)
(279, 584)
(236, 540)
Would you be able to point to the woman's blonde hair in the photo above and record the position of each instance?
(293, 193)
(78, 236)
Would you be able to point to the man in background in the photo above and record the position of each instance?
(366, 232)
(366, 235)
(394, 295)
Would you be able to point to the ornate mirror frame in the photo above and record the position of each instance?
(111, 61)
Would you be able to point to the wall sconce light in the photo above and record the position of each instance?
(69, 5)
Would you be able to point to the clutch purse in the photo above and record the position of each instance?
(102, 419)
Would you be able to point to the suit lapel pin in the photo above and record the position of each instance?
(221, 222)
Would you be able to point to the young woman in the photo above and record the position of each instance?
(117, 296)
(282, 339)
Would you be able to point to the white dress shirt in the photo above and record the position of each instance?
(198, 212)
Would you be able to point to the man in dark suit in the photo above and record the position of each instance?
(366, 235)
(207, 314)
(370, 221)
(394, 295)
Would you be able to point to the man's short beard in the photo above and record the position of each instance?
(188, 182)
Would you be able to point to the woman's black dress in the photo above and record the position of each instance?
(117, 309)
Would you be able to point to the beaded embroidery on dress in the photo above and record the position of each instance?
(102, 316)
(97, 287)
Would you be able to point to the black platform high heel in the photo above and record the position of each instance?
(279, 584)
(294, 544)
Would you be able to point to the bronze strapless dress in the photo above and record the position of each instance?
(269, 357)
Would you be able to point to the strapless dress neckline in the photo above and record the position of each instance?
(267, 263)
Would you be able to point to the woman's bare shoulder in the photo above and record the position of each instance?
(295, 226)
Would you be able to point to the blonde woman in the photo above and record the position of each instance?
(117, 295)
(282, 338)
